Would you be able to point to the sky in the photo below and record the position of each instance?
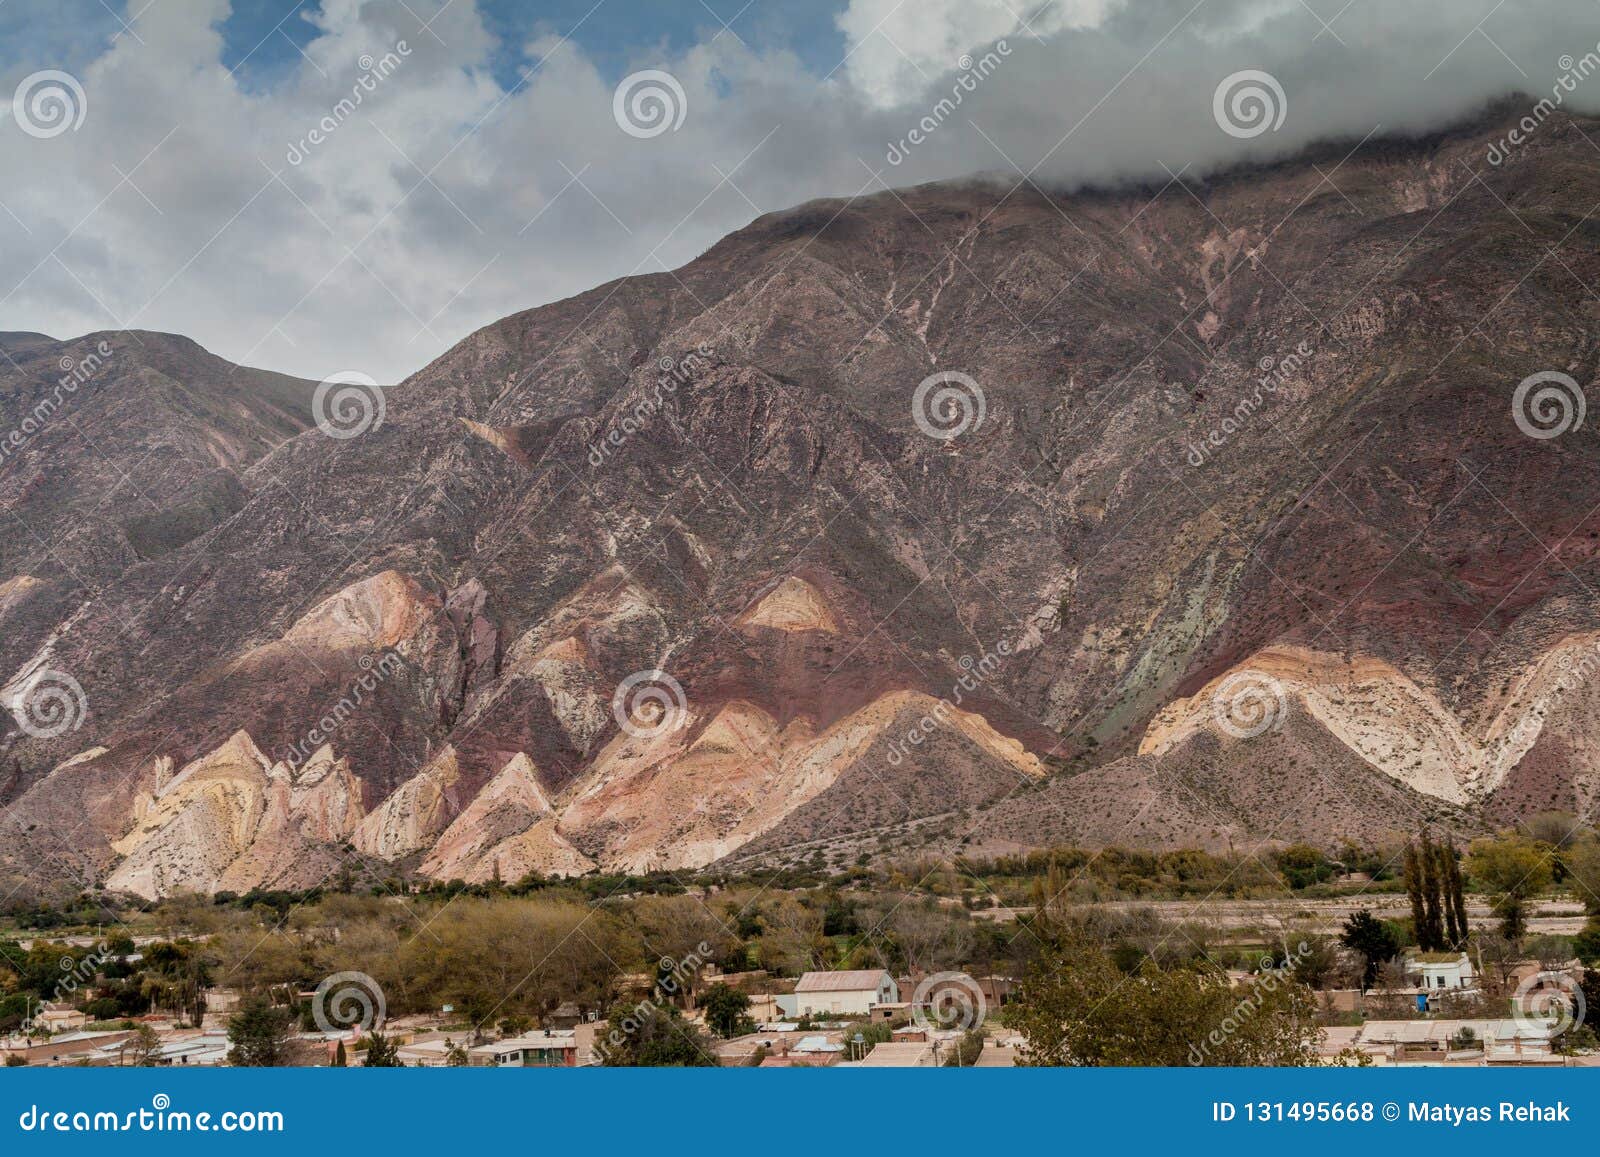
(208, 169)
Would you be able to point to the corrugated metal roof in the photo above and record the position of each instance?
(859, 980)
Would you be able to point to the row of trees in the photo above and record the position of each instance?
(1438, 906)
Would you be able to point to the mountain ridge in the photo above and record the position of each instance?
(857, 612)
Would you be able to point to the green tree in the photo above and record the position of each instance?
(455, 1055)
(1373, 940)
(1514, 869)
(1454, 894)
(258, 1034)
(1583, 873)
(966, 1051)
(1077, 1008)
(1415, 892)
(143, 1049)
(340, 1059)
(383, 1052)
(654, 1036)
(725, 1010)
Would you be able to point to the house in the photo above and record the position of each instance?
(427, 1054)
(899, 1055)
(851, 992)
(201, 1050)
(1433, 971)
(567, 1016)
(76, 1048)
(1477, 1042)
(547, 1049)
(817, 1046)
(56, 1020)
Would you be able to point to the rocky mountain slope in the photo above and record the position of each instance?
(1201, 513)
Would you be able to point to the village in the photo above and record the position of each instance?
(856, 1018)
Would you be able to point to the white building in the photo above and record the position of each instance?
(853, 993)
(1441, 970)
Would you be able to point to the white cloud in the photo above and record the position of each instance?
(442, 203)
(896, 47)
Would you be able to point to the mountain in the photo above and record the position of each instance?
(1201, 513)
